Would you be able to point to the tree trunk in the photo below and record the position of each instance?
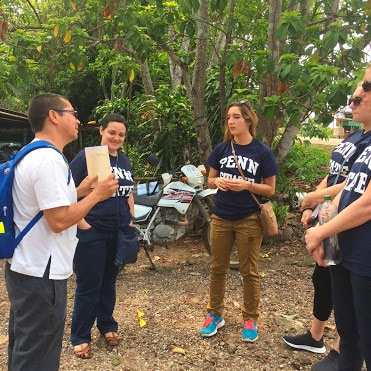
(268, 130)
(228, 39)
(175, 69)
(198, 84)
(220, 45)
(113, 82)
(304, 7)
(291, 131)
(124, 90)
(286, 143)
(104, 88)
(146, 78)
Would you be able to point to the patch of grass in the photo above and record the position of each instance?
(303, 164)
(328, 148)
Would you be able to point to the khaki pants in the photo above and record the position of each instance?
(247, 234)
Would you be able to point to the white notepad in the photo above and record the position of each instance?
(97, 162)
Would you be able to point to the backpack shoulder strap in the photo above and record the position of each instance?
(36, 145)
(23, 152)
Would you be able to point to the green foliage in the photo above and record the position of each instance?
(291, 24)
(90, 51)
(311, 129)
(281, 213)
(302, 164)
(138, 161)
(170, 114)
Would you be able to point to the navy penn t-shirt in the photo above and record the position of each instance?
(355, 243)
(344, 155)
(113, 213)
(256, 161)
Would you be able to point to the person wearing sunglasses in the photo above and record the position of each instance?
(235, 215)
(351, 279)
(342, 158)
(366, 84)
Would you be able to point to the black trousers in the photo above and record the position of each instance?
(352, 306)
(322, 303)
(95, 295)
(36, 322)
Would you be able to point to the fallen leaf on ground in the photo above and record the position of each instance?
(289, 316)
(4, 339)
(116, 362)
(142, 322)
(195, 274)
(4, 304)
(195, 300)
(139, 313)
(236, 304)
(179, 350)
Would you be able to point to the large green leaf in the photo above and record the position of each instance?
(282, 31)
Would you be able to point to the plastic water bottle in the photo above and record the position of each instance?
(328, 211)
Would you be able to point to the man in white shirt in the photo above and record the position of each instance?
(36, 276)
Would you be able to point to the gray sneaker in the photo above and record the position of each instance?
(329, 363)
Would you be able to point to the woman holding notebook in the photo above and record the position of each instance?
(96, 273)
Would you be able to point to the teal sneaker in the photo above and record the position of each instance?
(211, 325)
(250, 331)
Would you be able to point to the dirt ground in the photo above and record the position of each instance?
(173, 300)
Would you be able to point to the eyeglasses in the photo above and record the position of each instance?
(356, 101)
(366, 86)
(67, 110)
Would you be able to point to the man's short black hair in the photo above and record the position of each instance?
(113, 117)
(41, 105)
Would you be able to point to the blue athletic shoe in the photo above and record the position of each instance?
(249, 331)
(211, 325)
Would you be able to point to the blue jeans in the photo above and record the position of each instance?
(352, 306)
(36, 321)
(95, 295)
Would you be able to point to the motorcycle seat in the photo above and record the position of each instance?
(148, 200)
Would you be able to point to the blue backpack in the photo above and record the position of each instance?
(8, 241)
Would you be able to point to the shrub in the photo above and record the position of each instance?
(304, 165)
(281, 213)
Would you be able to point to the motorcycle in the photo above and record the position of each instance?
(180, 206)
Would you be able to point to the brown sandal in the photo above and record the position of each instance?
(83, 351)
(112, 338)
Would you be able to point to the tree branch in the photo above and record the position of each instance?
(34, 10)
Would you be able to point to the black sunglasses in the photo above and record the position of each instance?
(356, 101)
(67, 110)
(366, 86)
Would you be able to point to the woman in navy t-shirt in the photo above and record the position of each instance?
(235, 215)
(96, 273)
(342, 159)
(351, 279)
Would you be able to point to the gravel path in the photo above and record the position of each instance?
(173, 300)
